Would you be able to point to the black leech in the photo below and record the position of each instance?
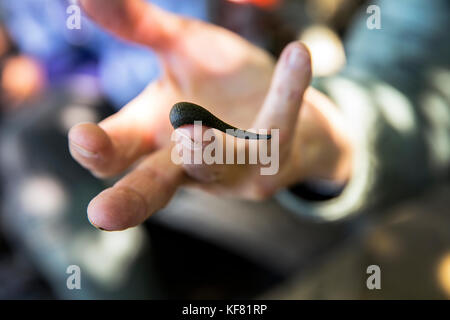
(184, 113)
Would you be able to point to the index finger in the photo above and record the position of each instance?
(139, 194)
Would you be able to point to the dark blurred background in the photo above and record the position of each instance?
(52, 78)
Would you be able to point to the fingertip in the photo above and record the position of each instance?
(293, 74)
(90, 137)
(137, 21)
(291, 78)
(202, 165)
(192, 136)
(91, 147)
(117, 209)
(298, 50)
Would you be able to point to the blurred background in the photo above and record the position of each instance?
(52, 77)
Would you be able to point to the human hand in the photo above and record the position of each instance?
(213, 67)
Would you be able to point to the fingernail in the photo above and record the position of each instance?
(79, 149)
(95, 226)
(296, 58)
(184, 137)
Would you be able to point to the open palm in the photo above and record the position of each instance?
(213, 67)
(202, 63)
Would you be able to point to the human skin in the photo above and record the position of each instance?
(239, 83)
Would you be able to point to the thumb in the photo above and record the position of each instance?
(135, 20)
(290, 80)
(191, 143)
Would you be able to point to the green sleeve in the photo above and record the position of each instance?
(395, 94)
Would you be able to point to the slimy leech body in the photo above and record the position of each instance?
(184, 113)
